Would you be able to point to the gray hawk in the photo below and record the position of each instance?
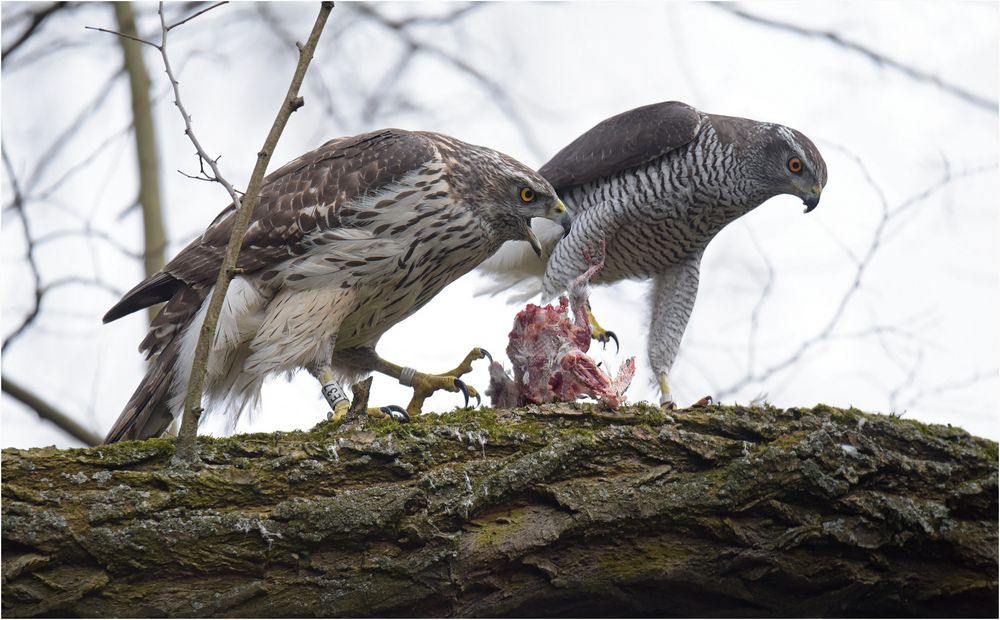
(346, 241)
(656, 184)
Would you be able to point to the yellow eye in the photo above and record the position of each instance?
(795, 165)
(527, 194)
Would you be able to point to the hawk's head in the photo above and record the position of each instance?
(506, 194)
(791, 164)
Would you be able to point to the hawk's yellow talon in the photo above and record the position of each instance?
(425, 384)
(339, 410)
(466, 365)
(600, 334)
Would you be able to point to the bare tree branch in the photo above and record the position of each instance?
(201, 12)
(36, 19)
(97, 283)
(498, 94)
(878, 238)
(130, 37)
(83, 163)
(147, 152)
(89, 231)
(990, 105)
(18, 205)
(85, 115)
(765, 293)
(951, 386)
(48, 412)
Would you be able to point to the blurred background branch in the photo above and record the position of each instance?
(48, 412)
(34, 17)
(147, 151)
(880, 59)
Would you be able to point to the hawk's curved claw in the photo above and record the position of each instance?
(608, 336)
(464, 389)
(396, 412)
(466, 392)
(600, 334)
(486, 353)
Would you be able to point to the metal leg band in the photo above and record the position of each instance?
(334, 394)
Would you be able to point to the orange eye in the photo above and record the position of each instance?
(527, 194)
(795, 165)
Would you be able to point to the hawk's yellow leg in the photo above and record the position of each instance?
(336, 397)
(666, 399)
(425, 384)
(597, 332)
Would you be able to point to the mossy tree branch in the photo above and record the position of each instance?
(547, 511)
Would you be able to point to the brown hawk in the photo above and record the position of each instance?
(346, 241)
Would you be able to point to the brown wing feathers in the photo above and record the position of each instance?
(340, 170)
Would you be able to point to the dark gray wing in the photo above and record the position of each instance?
(623, 141)
(299, 198)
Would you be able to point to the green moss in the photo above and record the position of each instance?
(655, 556)
(496, 529)
(125, 452)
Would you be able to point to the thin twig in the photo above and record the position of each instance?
(203, 156)
(18, 205)
(201, 12)
(83, 281)
(85, 115)
(765, 293)
(84, 163)
(48, 412)
(951, 386)
(186, 439)
(123, 35)
(498, 94)
(89, 231)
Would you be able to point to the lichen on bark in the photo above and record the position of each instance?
(551, 510)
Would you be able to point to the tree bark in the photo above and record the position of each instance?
(543, 511)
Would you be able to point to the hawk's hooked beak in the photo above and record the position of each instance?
(812, 198)
(533, 240)
(558, 211)
(557, 214)
(566, 222)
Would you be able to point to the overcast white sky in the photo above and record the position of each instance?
(918, 336)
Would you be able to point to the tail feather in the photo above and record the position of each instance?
(157, 288)
(147, 414)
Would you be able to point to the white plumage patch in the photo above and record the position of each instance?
(516, 268)
(293, 320)
(243, 301)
